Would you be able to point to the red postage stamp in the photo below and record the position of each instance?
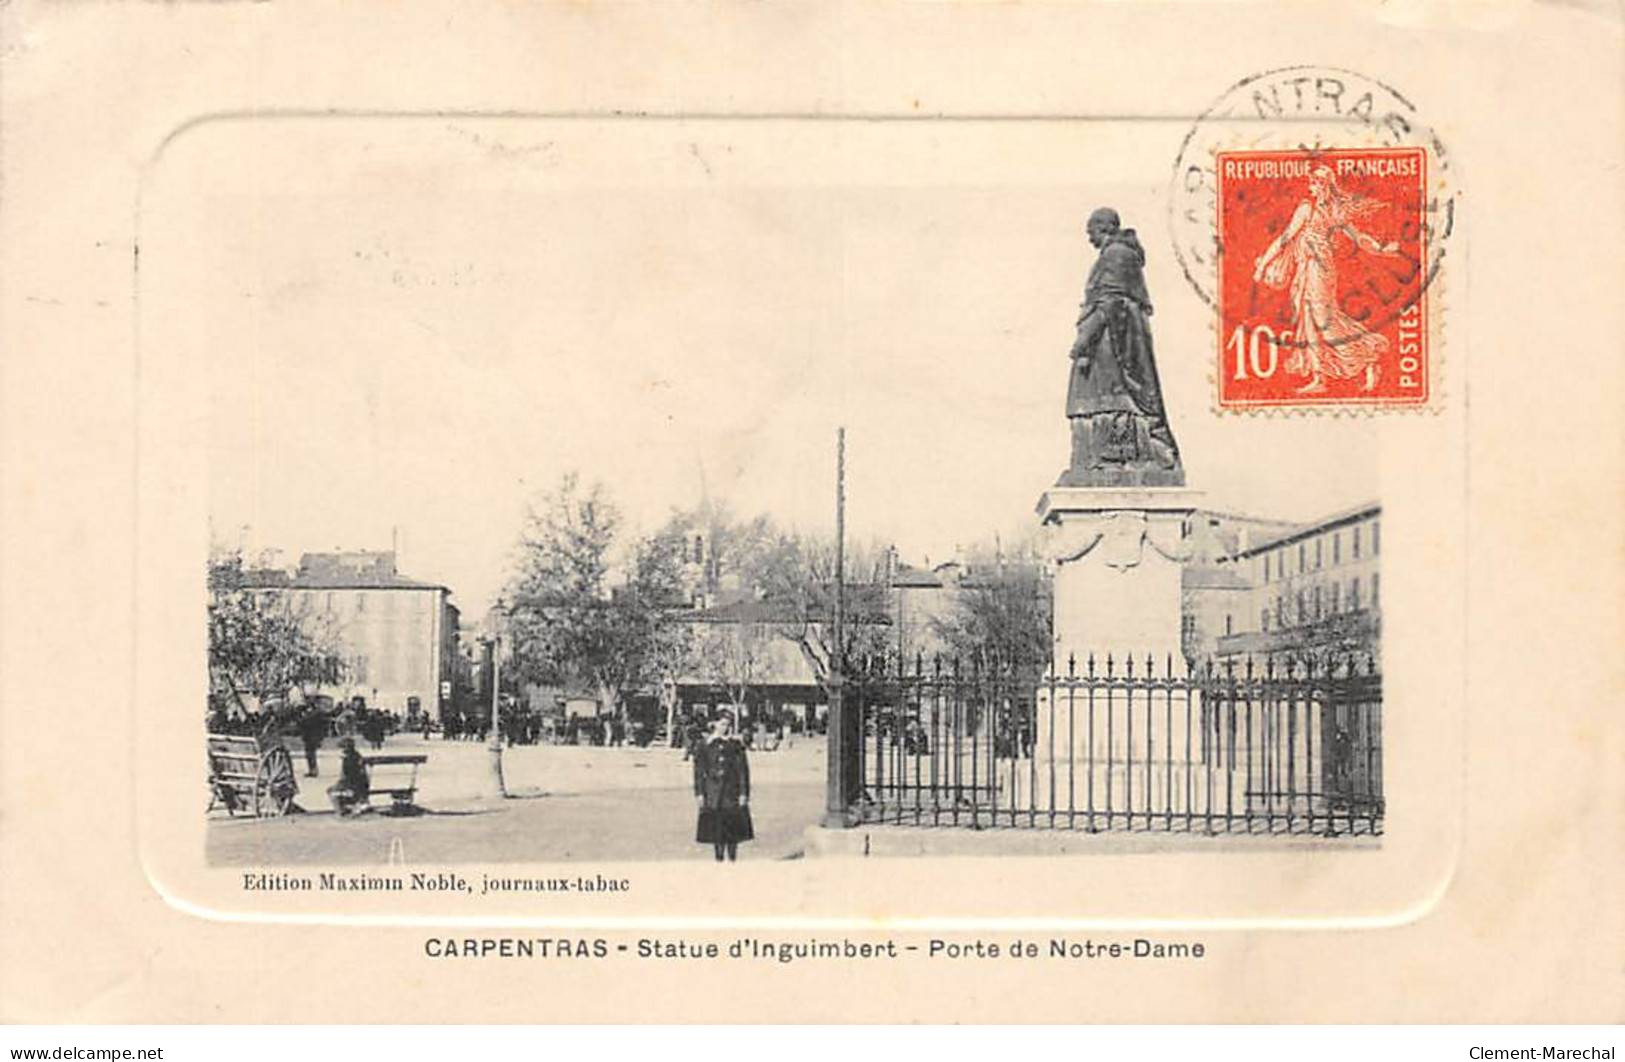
(1322, 281)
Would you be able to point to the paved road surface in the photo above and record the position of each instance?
(572, 803)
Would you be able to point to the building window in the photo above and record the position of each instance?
(1264, 620)
(360, 601)
(1229, 624)
(1280, 610)
(1374, 584)
(1303, 565)
(1280, 565)
(1190, 626)
(1354, 595)
(1335, 603)
(1303, 613)
(1376, 538)
(1317, 602)
(1318, 543)
(1266, 567)
(1356, 543)
(1337, 548)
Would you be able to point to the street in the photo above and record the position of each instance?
(566, 802)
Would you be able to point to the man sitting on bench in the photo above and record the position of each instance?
(353, 786)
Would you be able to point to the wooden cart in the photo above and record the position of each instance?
(251, 775)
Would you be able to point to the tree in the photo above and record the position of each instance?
(792, 576)
(1001, 617)
(802, 578)
(260, 641)
(568, 622)
(733, 656)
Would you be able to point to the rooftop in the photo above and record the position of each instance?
(865, 603)
(1326, 523)
(358, 570)
(1209, 577)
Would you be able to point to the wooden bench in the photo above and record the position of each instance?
(400, 785)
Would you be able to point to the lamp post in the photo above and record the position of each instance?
(495, 746)
(841, 731)
(668, 694)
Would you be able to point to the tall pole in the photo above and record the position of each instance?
(496, 719)
(840, 749)
(839, 655)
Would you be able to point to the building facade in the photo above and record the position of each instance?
(1314, 590)
(396, 636)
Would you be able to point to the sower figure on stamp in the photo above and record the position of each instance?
(722, 789)
(1328, 342)
(1120, 432)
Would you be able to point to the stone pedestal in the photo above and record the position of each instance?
(1120, 558)
(1111, 747)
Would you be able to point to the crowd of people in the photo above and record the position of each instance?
(457, 726)
(525, 726)
(313, 720)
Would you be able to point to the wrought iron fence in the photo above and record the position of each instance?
(1122, 744)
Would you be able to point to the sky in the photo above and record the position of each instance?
(410, 328)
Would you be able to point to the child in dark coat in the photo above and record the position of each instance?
(722, 789)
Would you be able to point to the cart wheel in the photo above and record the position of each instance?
(274, 784)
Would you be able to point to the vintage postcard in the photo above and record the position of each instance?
(836, 522)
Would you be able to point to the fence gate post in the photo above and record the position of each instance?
(841, 758)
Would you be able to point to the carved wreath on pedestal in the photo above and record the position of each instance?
(1119, 539)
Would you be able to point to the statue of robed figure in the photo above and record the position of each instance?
(1120, 433)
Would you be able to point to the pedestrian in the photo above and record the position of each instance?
(372, 728)
(693, 735)
(722, 790)
(353, 786)
(313, 726)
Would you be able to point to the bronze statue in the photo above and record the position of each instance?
(1120, 433)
